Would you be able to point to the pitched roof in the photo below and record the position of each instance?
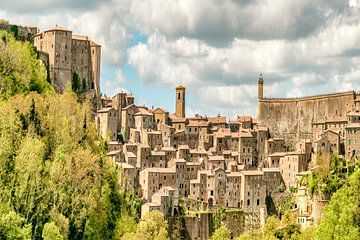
(217, 120)
(160, 110)
(244, 118)
(198, 124)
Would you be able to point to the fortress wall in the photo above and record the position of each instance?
(292, 118)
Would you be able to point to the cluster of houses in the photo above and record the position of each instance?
(219, 162)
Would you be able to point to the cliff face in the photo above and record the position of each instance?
(292, 118)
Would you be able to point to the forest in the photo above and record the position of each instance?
(57, 183)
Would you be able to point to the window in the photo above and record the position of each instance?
(258, 202)
(248, 202)
(211, 193)
(178, 96)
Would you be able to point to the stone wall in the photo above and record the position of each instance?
(292, 118)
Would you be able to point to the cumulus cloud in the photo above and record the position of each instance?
(216, 48)
(219, 22)
(41, 6)
(106, 22)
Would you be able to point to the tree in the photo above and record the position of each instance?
(83, 85)
(13, 227)
(340, 215)
(75, 83)
(20, 70)
(51, 232)
(152, 226)
(222, 233)
(125, 224)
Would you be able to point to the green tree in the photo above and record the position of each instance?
(20, 70)
(152, 226)
(51, 232)
(125, 224)
(13, 227)
(340, 215)
(83, 85)
(222, 233)
(75, 83)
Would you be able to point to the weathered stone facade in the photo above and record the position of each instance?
(70, 56)
(292, 118)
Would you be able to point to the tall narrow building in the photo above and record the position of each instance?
(260, 87)
(180, 101)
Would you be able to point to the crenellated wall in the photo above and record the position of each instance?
(292, 118)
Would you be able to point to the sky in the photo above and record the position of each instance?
(217, 49)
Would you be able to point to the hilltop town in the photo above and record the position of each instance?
(200, 164)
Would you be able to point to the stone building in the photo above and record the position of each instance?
(153, 179)
(71, 58)
(253, 190)
(233, 189)
(165, 201)
(293, 118)
(327, 143)
(247, 146)
(107, 123)
(128, 176)
(161, 116)
(273, 179)
(352, 140)
(291, 164)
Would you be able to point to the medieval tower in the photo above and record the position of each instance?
(180, 101)
(260, 87)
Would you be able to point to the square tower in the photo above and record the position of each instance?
(180, 101)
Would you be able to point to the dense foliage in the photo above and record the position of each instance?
(55, 179)
(342, 214)
(20, 70)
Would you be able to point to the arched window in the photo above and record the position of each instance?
(178, 96)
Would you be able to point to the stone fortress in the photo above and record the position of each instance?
(70, 56)
(296, 118)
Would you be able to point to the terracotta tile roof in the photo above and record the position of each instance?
(243, 118)
(179, 120)
(163, 110)
(217, 120)
(245, 134)
(198, 124)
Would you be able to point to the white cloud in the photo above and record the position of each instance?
(219, 22)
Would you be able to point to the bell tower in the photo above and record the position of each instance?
(180, 101)
(260, 87)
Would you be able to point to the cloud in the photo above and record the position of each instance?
(41, 6)
(216, 48)
(106, 21)
(219, 22)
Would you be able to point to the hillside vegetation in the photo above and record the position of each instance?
(55, 179)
